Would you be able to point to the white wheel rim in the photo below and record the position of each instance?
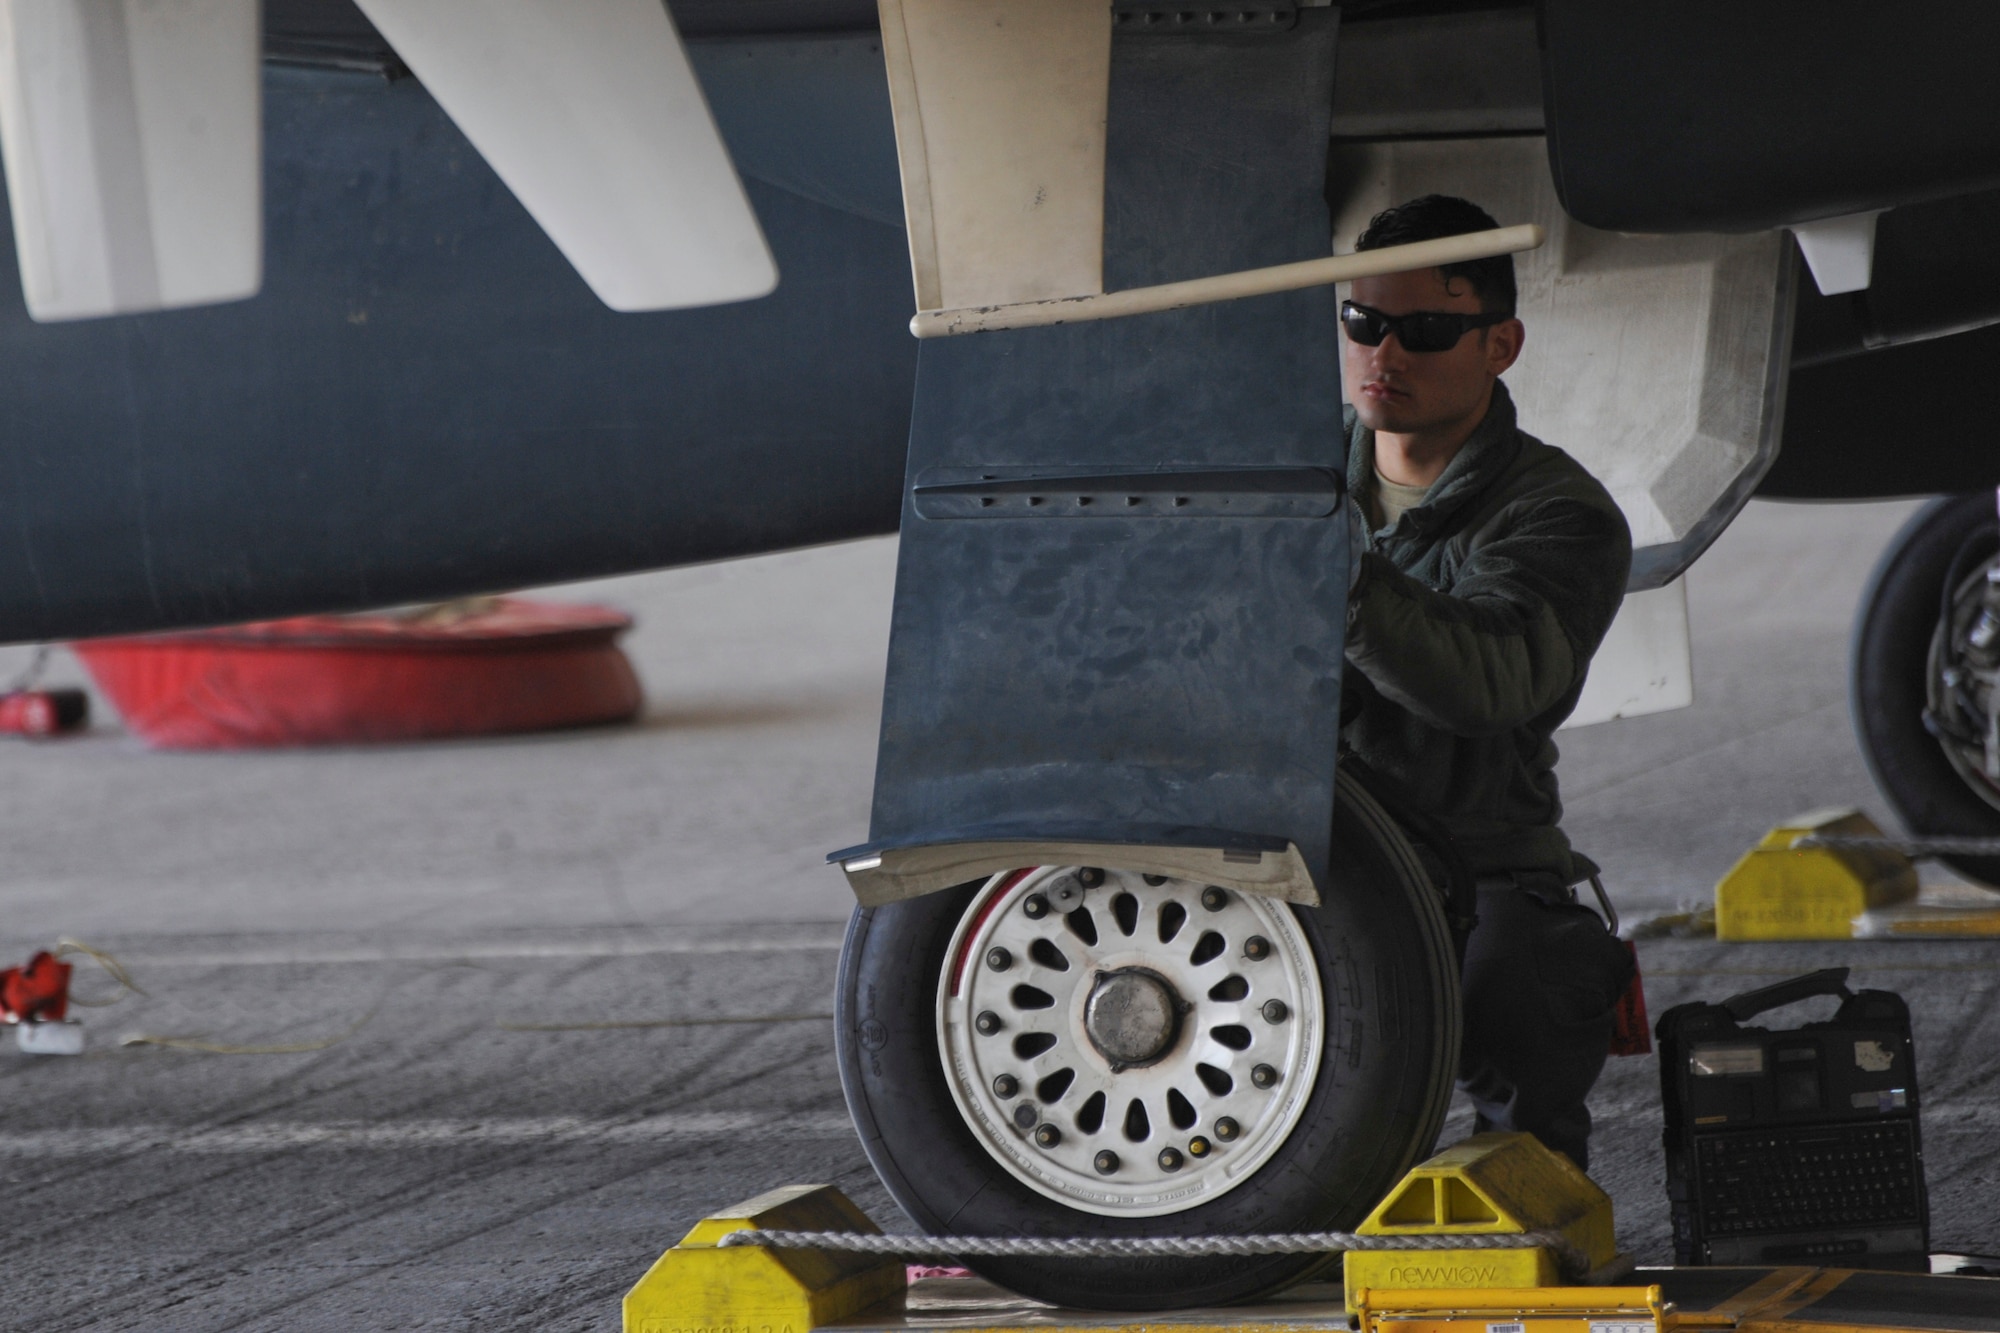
(1221, 1094)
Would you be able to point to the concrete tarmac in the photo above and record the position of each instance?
(465, 1034)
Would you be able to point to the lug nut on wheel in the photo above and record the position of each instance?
(1275, 1011)
(1106, 1162)
(1171, 1159)
(1047, 1136)
(1227, 1129)
(1256, 948)
(1090, 877)
(1263, 1076)
(999, 959)
(988, 1023)
(1198, 1146)
(1035, 908)
(1006, 1085)
(1025, 1116)
(1214, 899)
(1155, 880)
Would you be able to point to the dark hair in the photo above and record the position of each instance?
(1438, 215)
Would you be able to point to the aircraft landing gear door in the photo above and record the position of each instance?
(1125, 965)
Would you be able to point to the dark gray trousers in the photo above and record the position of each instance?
(1542, 979)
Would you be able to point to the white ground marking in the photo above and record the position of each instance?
(284, 1136)
(432, 953)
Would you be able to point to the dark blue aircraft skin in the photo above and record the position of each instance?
(425, 400)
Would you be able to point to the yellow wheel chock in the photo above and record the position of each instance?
(697, 1287)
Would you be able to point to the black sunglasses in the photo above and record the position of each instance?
(1418, 331)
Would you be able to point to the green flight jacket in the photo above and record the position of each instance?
(1470, 631)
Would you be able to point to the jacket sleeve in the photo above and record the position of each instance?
(1510, 637)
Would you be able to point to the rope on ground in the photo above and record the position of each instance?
(206, 1046)
(115, 969)
(1913, 848)
(1574, 1262)
(118, 973)
(612, 1025)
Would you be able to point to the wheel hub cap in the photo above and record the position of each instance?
(1132, 1016)
(1129, 1045)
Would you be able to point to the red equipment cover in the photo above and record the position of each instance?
(510, 665)
(36, 993)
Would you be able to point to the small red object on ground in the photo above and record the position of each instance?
(37, 993)
(500, 665)
(1629, 1033)
(43, 712)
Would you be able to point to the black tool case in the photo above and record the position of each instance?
(1794, 1145)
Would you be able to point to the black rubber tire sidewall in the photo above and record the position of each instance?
(1888, 667)
(1389, 976)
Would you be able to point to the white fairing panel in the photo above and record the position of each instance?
(1000, 111)
(131, 135)
(1839, 251)
(588, 110)
(1643, 666)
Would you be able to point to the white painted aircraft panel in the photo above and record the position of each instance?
(131, 135)
(1643, 665)
(1839, 251)
(1000, 112)
(589, 112)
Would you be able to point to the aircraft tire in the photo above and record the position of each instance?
(1386, 969)
(1891, 667)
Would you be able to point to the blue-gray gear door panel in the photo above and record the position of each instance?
(1121, 594)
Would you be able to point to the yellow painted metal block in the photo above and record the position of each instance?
(1782, 892)
(697, 1287)
(1498, 1184)
(1520, 1310)
(1491, 1184)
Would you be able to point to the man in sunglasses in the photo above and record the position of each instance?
(1489, 566)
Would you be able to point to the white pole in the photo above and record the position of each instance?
(1228, 286)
